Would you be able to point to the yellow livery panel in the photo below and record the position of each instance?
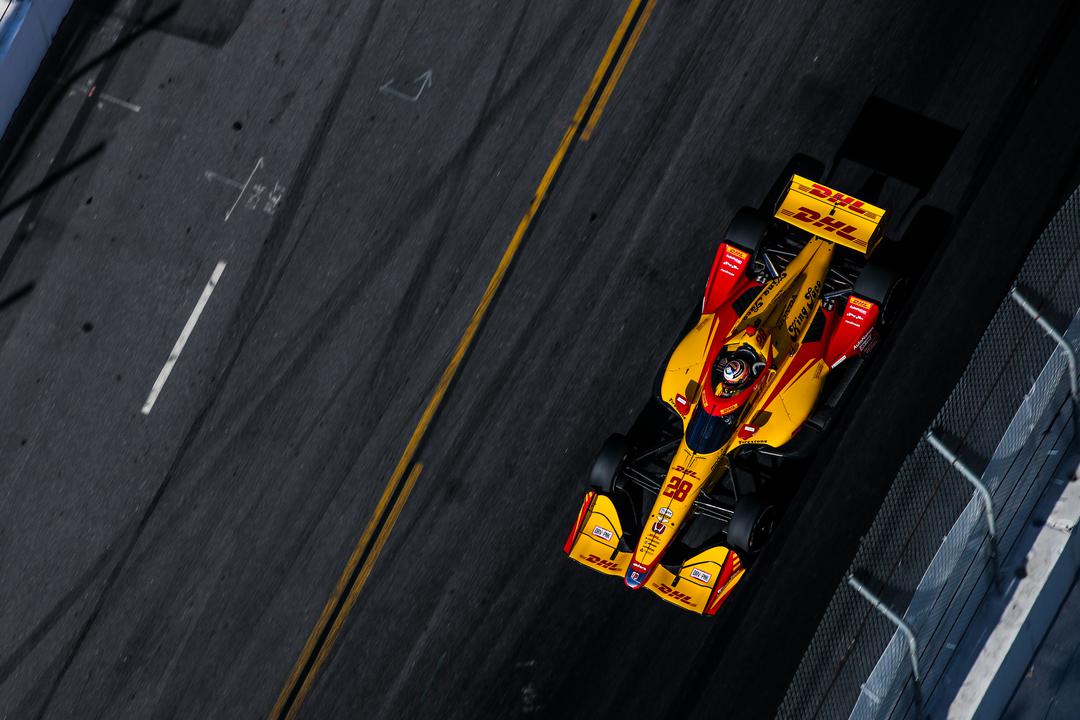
(703, 583)
(594, 541)
(830, 214)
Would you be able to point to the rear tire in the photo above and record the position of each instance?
(804, 165)
(751, 525)
(609, 463)
(747, 230)
(875, 283)
(878, 284)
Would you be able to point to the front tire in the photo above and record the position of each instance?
(751, 526)
(609, 463)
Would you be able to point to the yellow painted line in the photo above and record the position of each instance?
(354, 593)
(339, 590)
(619, 67)
(321, 640)
(605, 62)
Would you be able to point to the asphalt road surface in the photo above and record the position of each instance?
(173, 563)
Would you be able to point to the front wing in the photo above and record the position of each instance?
(701, 584)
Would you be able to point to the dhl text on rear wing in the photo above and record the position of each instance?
(830, 214)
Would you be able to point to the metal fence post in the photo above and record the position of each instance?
(980, 488)
(1070, 352)
(913, 647)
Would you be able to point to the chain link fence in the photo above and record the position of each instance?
(1013, 406)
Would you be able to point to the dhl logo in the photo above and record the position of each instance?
(606, 564)
(859, 303)
(736, 253)
(841, 228)
(676, 595)
(837, 198)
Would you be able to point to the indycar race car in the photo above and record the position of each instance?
(793, 303)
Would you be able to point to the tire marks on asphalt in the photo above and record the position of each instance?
(359, 565)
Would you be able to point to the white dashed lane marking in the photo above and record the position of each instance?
(182, 340)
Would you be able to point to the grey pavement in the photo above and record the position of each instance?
(173, 564)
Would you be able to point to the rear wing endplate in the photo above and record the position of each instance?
(830, 214)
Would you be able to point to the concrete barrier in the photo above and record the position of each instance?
(27, 28)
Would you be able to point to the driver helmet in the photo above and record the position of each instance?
(735, 369)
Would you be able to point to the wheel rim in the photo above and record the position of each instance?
(763, 529)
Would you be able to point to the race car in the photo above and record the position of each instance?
(682, 504)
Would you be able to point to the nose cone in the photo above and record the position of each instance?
(636, 575)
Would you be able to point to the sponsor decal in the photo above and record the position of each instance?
(759, 301)
(732, 261)
(682, 404)
(736, 253)
(678, 489)
(601, 562)
(746, 432)
(858, 302)
(636, 574)
(676, 595)
(700, 575)
(728, 410)
(826, 223)
(857, 312)
(685, 471)
(838, 198)
(602, 532)
(659, 527)
(665, 513)
(867, 342)
(811, 294)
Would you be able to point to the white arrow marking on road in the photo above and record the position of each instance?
(424, 80)
(182, 340)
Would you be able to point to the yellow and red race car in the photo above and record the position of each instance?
(682, 504)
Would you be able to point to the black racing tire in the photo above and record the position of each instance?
(804, 165)
(609, 463)
(751, 525)
(880, 285)
(747, 230)
(875, 283)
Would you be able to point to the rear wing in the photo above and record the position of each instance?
(830, 214)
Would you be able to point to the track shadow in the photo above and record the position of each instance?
(899, 142)
(154, 23)
(33, 115)
(46, 91)
(16, 296)
(50, 180)
(895, 142)
(209, 22)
